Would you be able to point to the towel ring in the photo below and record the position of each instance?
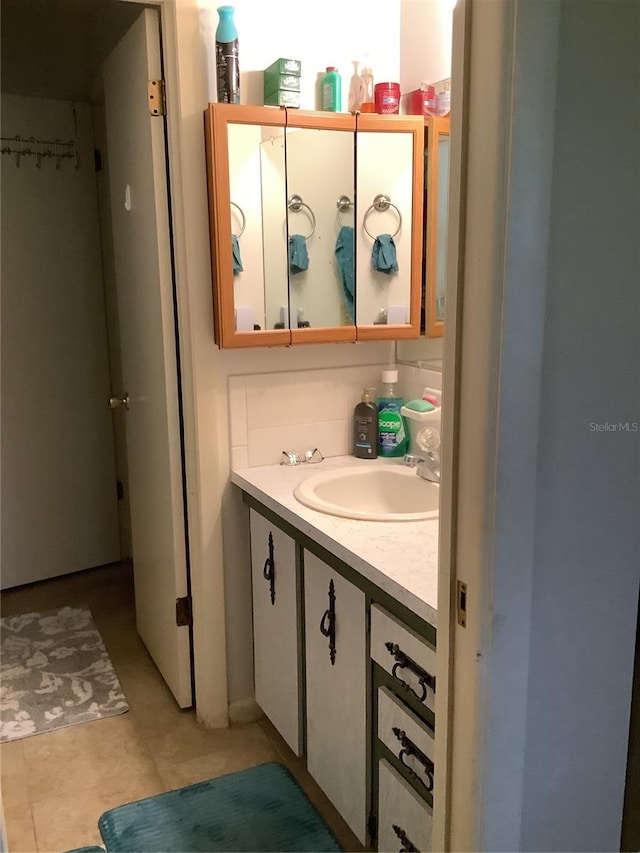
(244, 221)
(381, 203)
(295, 204)
(343, 205)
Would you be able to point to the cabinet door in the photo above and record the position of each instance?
(336, 682)
(321, 205)
(275, 628)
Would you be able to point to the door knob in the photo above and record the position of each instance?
(115, 402)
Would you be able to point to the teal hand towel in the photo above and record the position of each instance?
(344, 252)
(298, 255)
(237, 262)
(383, 257)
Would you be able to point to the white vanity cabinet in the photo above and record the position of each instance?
(336, 689)
(276, 639)
(346, 673)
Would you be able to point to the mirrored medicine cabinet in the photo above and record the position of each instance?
(316, 225)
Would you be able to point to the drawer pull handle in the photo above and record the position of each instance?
(403, 661)
(407, 845)
(328, 623)
(410, 750)
(269, 571)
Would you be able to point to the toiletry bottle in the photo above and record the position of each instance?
(332, 90)
(393, 434)
(355, 85)
(367, 102)
(365, 427)
(227, 57)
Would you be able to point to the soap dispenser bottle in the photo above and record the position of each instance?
(365, 427)
(393, 438)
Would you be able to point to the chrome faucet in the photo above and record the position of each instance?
(427, 466)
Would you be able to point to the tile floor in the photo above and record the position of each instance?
(56, 785)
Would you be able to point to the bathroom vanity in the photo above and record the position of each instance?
(344, 618)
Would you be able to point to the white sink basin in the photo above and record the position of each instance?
(383, 493)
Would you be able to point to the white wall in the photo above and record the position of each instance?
(426, 42)
(334, 33)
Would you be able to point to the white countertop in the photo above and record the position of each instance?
(400, 557)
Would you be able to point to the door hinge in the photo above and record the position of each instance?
(157, 102)
(184, 615)
(97, 159)
(119, 489)
(461, 604)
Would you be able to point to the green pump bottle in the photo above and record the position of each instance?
(393, 436)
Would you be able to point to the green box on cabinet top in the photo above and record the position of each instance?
(285, 66)
(282, 98)
(274, 81)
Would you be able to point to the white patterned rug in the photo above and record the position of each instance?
(54, 672)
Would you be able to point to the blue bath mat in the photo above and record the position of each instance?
(259, 809)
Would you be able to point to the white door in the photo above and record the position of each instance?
(142, 255)
(59, 508)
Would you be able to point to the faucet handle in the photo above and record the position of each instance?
(412, 460)
(428, 439)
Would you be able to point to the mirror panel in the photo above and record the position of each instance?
(273, 185)
(437, 214)
(257, 187)
(443, 216)
(320, 170)
(389, 216)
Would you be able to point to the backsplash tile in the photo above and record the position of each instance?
(240, 457)
(271, 400)
(238, 411)
(302, 410)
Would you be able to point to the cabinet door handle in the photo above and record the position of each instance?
(407, 845)
(269, 571)
(411, 751)
(328, 623)
(403, 661)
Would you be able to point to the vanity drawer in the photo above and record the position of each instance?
(408, 738)
(404, 819)
(406, 656)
